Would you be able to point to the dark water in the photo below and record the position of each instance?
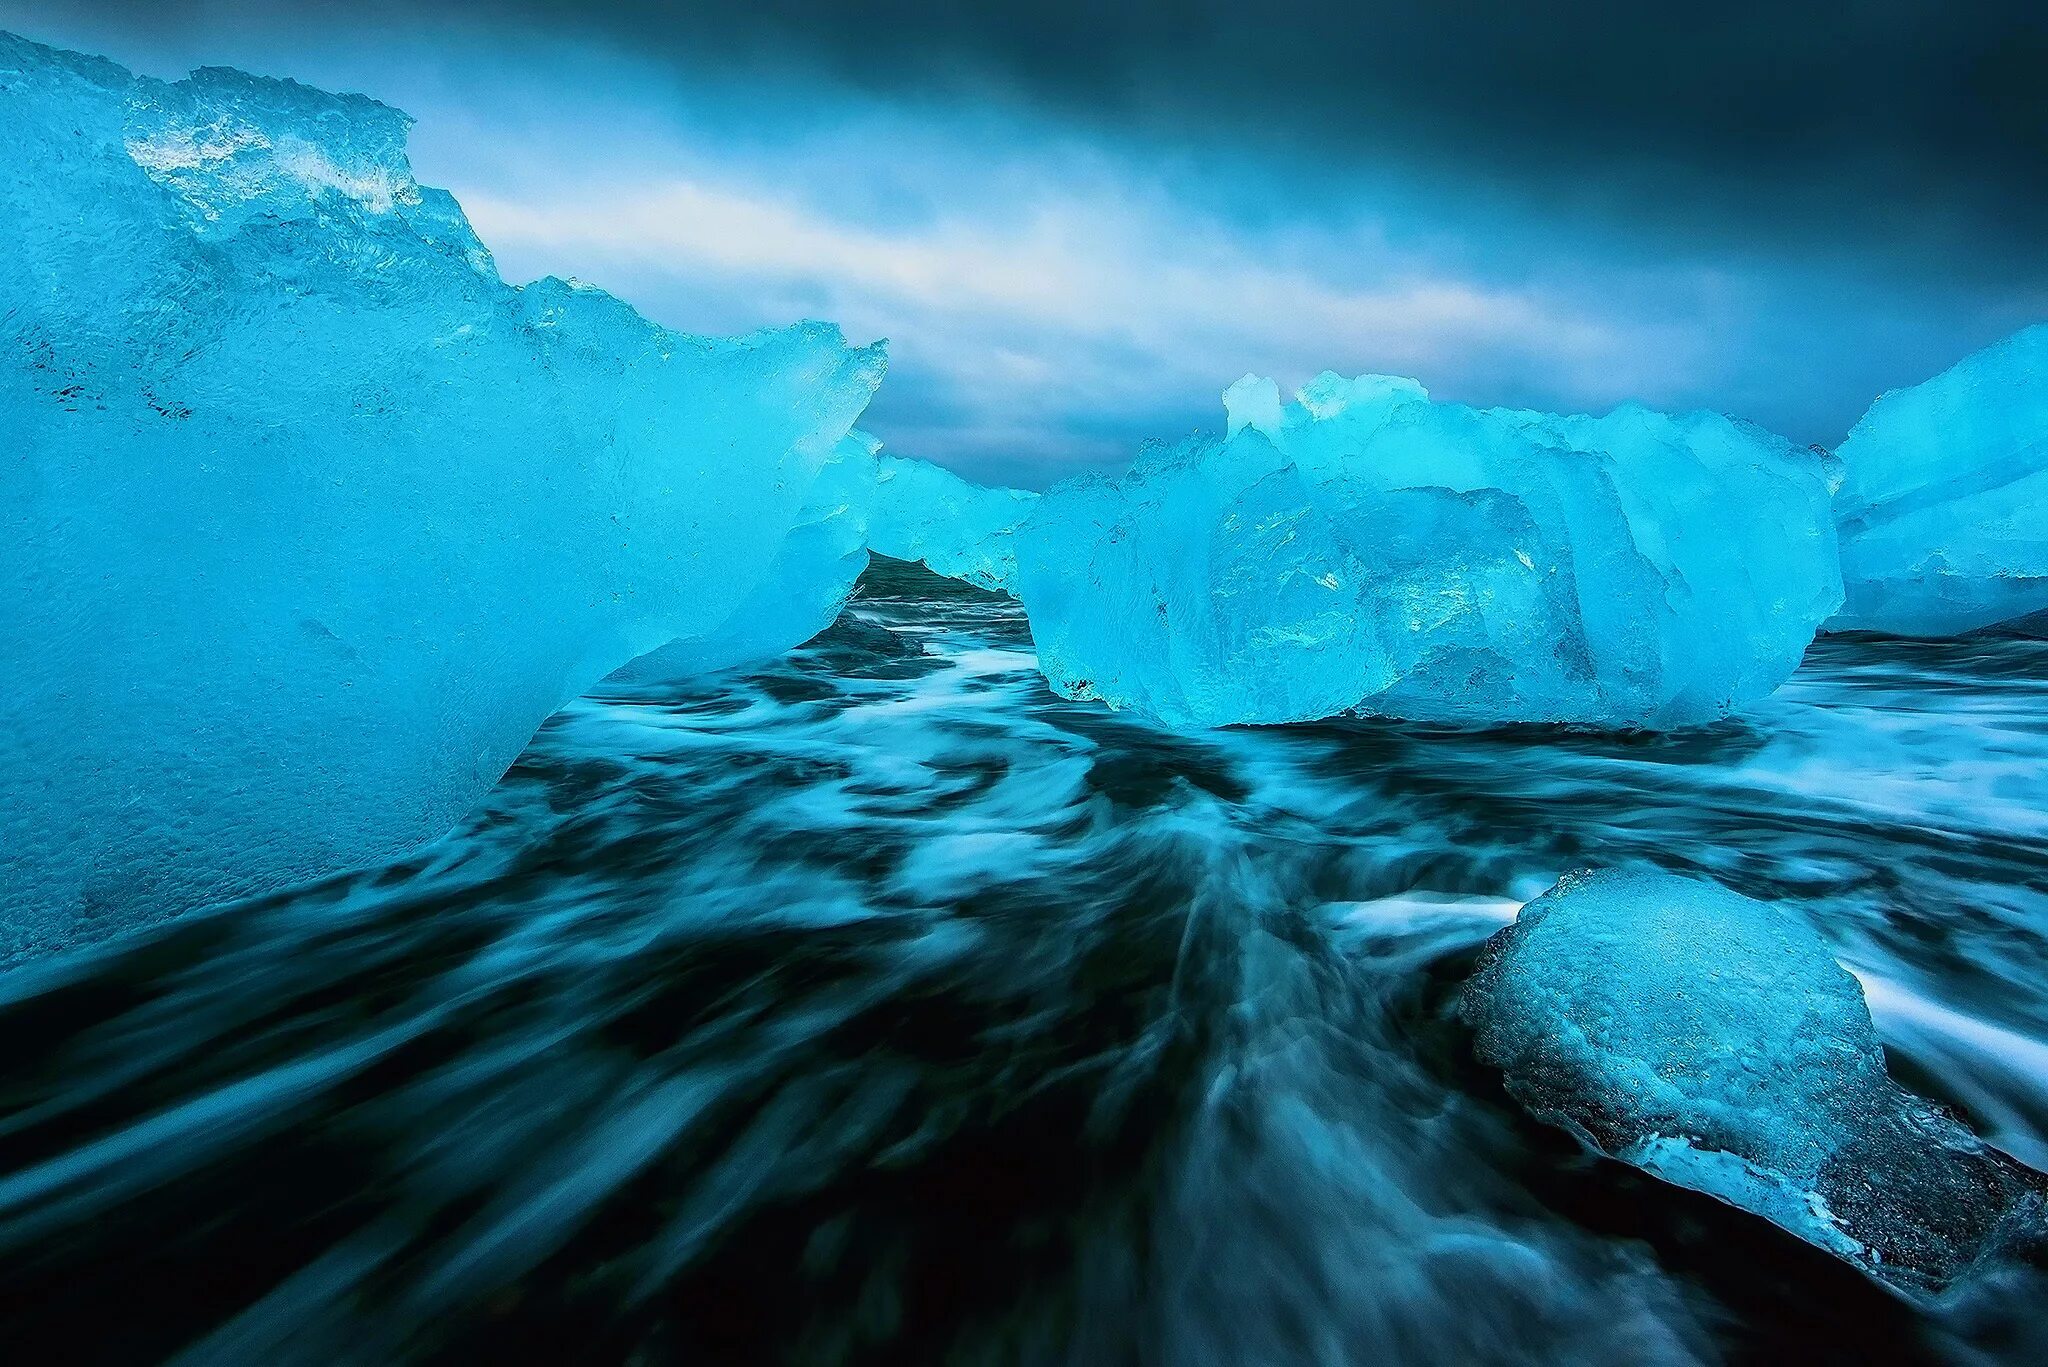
(881, 1007)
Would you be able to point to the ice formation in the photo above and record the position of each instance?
(311, 519)
(958, 529)
(1944, 501)
(1713, 1041)
(1366, 549)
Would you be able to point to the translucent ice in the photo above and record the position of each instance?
(310, 519)
(958, 529)
(1944, 501)
(1365, 549)
(1713, 1041)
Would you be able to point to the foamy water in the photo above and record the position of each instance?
(879, 1006)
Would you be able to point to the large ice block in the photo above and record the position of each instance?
(1713, 1041)
(310, 519)
(959, 529)
(1364, 549)
(1944, 499)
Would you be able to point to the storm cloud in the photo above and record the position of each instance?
(1896, 121)
(1078, 222)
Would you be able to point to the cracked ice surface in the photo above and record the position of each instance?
(1365, 549)
(311, 519)
(1944, 500)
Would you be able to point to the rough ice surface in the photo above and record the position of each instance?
(959, 529)
(1944, 500)
(1364, 549)
(311, 519)
(1713, 1041)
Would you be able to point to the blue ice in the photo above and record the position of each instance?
(1944, 501)
(956, 528)
(1365, 549)
(1713, 1041)
(311, 519)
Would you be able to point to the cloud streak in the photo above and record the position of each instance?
(1081, 302)
(1073, 243)
(1088, 268)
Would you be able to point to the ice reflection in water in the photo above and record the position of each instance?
(880, 1006)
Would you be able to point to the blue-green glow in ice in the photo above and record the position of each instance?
(1713, 1041)
(1365, 549)
(311, 519)
(1944, 501)
(959, 529)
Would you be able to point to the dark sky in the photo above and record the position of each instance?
(1891, 122)
(1771, 209)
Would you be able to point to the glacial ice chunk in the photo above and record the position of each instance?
(1364, 549)
(1713, 1041)
(1254, 402)
(1944, 501)
(959, 529)
(310, 519)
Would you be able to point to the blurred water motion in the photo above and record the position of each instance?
(880, 1006)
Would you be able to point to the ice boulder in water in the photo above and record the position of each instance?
(1713, 1041)
(310, 519)
(959, 529)
(1365, 549)
(1944, 501)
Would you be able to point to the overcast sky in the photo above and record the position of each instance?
(1076, 224)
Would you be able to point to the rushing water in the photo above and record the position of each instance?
(879, 1006)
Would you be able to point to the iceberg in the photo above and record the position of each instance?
(956, 528)
(1944, 500)
(1364, 549)
(311, 519)
(1713, 1041)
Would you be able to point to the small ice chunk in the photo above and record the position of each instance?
(959, 529)
(1713, 1041)
(1944, 502)
(1255, 403)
